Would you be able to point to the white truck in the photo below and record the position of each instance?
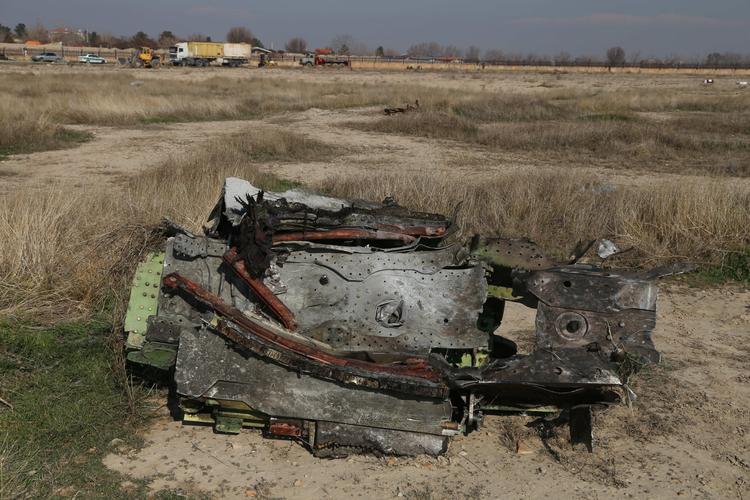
(205, 53)
(236, 54)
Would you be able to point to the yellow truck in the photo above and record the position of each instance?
(195, 53)
(205, 53)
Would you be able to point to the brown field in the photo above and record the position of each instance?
(93, 158)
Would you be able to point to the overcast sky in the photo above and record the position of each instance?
(652, 27)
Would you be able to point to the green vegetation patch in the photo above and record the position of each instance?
(734, 267)
(68, 405)
(57, 138)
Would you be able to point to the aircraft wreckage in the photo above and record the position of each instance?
(354, 326)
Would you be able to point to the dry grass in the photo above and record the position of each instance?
(62, 255)
(675, 131)
(128, 97)
(698, 220)
(567, 128)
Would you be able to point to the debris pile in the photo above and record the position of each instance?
(354, 326)
(406, 109)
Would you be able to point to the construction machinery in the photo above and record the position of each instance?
(353, 326)
(324, 57)
(145, 57)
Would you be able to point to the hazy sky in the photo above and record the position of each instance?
(653, 27)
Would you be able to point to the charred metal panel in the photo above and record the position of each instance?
(336, 440)
(517, 254)
(431, 307)
(207, 367)
(595, 309)
(578, 287)
(346, 325)
(554, 368)
(629, 330)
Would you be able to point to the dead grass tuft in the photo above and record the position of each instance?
(698, 220)
(62, 255)
(621, 137)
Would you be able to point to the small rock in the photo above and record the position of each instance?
(136, 83)
(251, 492)
(298, 483)
(116, 443)
(463, 453)
(522, 448)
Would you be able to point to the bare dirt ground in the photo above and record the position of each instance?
(116, 152)
(687, 435)
(113, 152)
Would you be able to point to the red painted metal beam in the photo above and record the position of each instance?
(344, 234)
(269, 299)
(416, 367)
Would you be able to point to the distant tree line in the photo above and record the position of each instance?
(165, 39)
(347, 44)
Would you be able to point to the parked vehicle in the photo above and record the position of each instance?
(49, 57)
(324, 57)
(145, 57)
(236, 54)
(205, 53)
(91, 59)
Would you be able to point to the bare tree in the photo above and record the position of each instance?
(616, 56)
(473, 53)
(199, 37)
(240, 34)
(342, 44)
(109, 40)
(495, 55)
(360, 48)
(6, 34)
(452, 51)
(723, 60)
(141, 39)
(167, 39)
(562, 58)
(425, 49)
(39, 32)
(634, 58)
(296, 44)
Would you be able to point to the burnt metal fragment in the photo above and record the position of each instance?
(357, 327)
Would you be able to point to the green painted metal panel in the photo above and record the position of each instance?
(144, 297)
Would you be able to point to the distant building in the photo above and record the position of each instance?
(68, 36)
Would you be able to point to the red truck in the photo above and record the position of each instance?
(324, 57)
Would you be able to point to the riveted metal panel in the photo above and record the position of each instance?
(144, 297)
